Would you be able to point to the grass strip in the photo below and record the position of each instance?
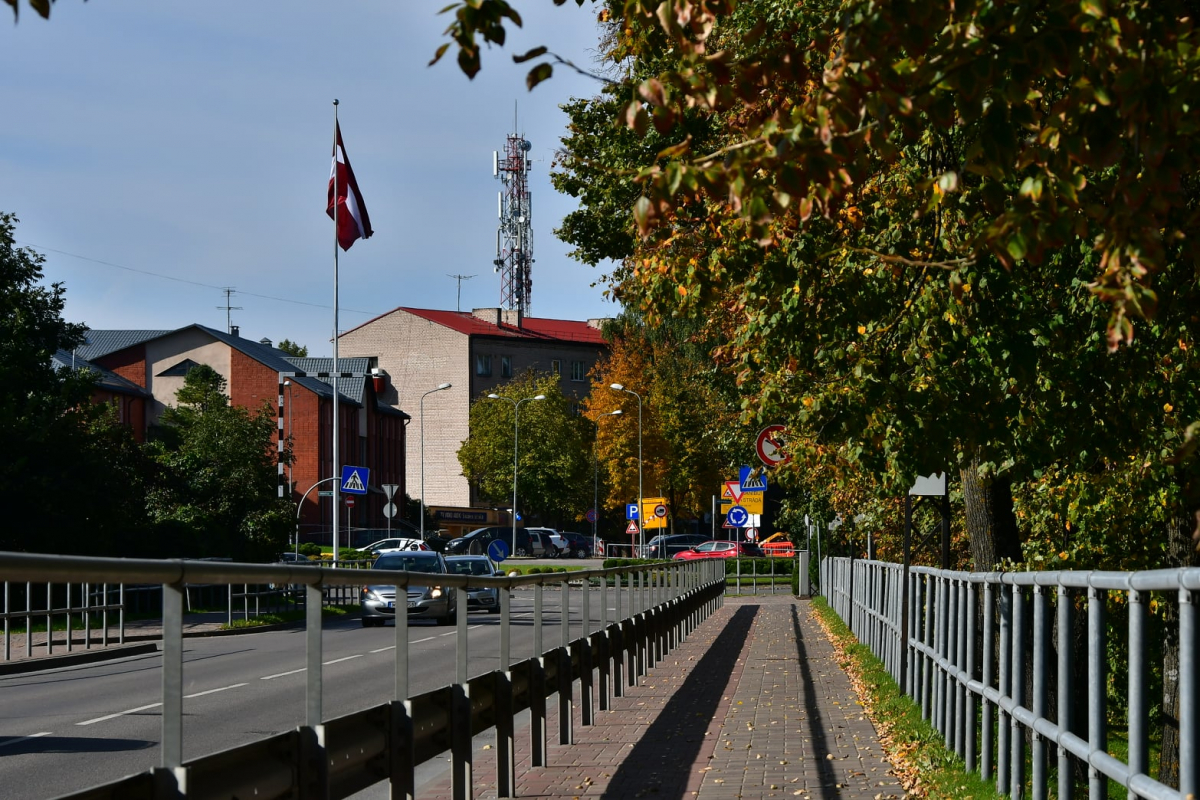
(924, 766)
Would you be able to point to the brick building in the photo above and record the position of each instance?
(476, 351)
(372, 432)
(126, 397)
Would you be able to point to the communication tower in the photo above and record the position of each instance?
(514, 236)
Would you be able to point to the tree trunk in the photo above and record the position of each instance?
(1180, 553)
(991, 523)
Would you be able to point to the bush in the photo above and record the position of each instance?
(310, 549)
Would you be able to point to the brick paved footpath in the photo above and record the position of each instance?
(752, 705)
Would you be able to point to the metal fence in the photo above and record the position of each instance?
(656, 606)
(985, 652)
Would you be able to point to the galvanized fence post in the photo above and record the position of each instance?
(171, 763)
(506, 770)
(537, 686)
(462, 785)
(1097, 684)
(565, 699)
(1005, 688)
(969, 746)
(1041, 691)
(401, 751)
(1189, 736)
(1139, 706)
(1066, 685)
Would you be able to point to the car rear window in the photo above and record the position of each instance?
(472, 567)
(408, 563)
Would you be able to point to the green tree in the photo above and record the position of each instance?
(218, 492)
(292, 349)
(70, 470)
(554, 476)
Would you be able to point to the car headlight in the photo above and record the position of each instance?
(367, 594)
(434, 592)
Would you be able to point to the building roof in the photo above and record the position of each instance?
(101, 343)
(65, 359)
(350, 390)
(531, 328)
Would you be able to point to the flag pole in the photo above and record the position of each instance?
(336, 470)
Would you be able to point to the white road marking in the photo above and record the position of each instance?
(213, 691)
(107, 717)
(24, 738)
(426, 639)
(384, 649)
(340, 660)
(282, 674)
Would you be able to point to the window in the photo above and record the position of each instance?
(577, 371)
(556, 367)
(483, 366)
(506, 366)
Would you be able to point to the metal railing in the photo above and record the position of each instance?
(984, 651)
(656, 606)
(778, 572)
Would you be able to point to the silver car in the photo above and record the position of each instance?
(483, 597)
(378, 602)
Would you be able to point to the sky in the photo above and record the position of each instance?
(192, 141)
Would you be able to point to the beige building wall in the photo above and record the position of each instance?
(418, 355)
(166, 352)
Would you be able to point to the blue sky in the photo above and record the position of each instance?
(192, 140)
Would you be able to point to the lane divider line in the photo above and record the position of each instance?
(340, 660)
(282, 674)
(107, 717)
(213, 691)
(384, 649)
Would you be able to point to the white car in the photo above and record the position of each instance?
(560, 541)
(393, 545)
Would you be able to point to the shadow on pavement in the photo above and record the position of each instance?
(42, 745)
(661, 762)
(818, 741)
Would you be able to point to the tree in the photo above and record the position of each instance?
(292, 349)
(218, 493)
(69, 469)
(554, 476)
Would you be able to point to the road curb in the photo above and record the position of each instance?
(72, 659)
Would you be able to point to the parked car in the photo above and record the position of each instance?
(720, 550)
(294, 558)
(378, 601)
(666, 546)
(395, 543)
(485, 597)
(580, 546)
(475, 543)
(548, 541)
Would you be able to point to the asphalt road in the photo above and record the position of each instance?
(72, 728)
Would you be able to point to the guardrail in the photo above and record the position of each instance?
(337, 757)
(979, 659)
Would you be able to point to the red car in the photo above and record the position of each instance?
(721, 550)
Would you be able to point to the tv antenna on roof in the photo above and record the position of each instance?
(229, 291)
(460, 279)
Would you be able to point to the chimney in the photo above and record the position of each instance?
(511, 317)
(234, 331)
(378, 380)
(488, 315)
(265, 342)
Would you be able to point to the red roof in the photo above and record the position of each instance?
(536, 328)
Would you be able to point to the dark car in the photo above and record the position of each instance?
(378, 601)
(581, 546)
(484, 597)
(720, 550)
(667, 546)
(476, 542)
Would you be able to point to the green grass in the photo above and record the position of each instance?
(940, 772)
(287, 616)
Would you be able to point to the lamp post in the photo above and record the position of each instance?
(641, 511)
(596, 477)
(516, 407)
(421, 405)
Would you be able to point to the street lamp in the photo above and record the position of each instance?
(641, 511)
(516, 407)
(421, 406)
(596, 477)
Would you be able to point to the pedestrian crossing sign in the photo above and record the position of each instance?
(355, 480)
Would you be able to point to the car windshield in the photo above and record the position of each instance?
(474, 566)
(408, 563)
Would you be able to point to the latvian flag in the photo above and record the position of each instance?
(352, 220)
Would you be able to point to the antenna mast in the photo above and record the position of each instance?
(514, 236)
(460, 279)
(228, 290)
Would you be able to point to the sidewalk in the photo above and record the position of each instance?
(753, 704)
